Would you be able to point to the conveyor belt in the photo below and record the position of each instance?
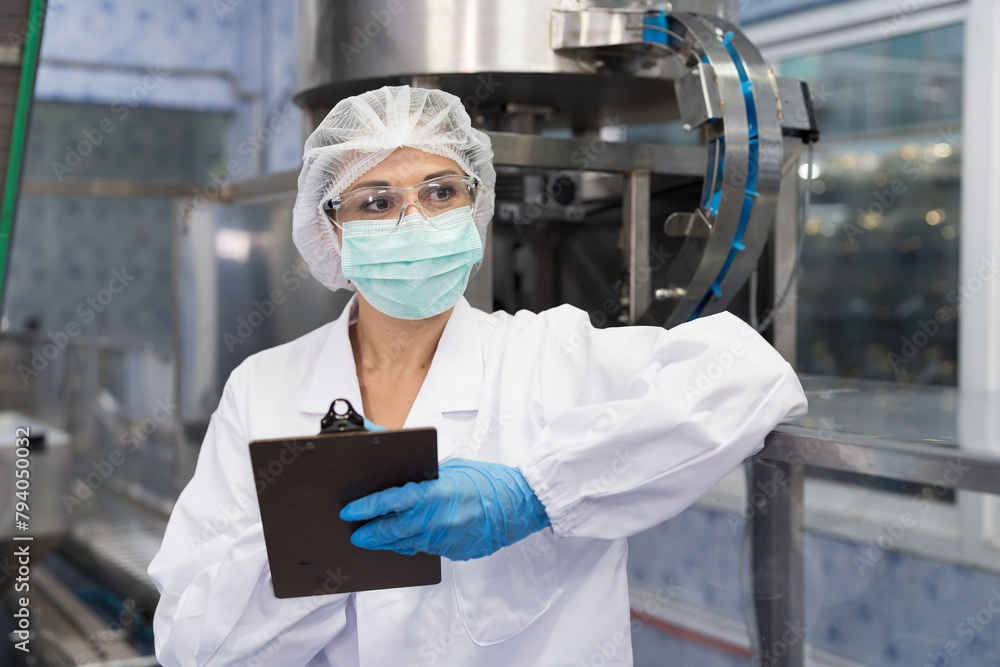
(117, 546)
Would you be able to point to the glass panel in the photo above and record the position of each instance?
(878, 290)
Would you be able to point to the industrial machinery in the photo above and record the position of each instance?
(526, 70)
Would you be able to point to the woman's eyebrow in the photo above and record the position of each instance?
(377, 184)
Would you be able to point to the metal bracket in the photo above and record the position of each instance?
(698, 96)
(590, 28)
(795, 109)
(683, 224)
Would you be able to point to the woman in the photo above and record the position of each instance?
(557, 440)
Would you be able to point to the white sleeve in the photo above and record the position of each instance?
(216, 604)
(641, 421)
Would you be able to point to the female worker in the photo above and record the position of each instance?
(557, 440)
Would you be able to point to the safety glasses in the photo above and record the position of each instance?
(386, 203)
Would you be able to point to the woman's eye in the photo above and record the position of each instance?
(376, 204)
(441, 193)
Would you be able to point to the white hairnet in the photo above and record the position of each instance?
(362, 131)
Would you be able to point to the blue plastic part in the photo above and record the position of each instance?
(750, 191)
(657, 21)
(711, 199)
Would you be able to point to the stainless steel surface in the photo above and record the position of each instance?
(360, 45)
(595, 27)
(114, 540)
(766, 171)
(707, 34)
(795, 113)
(698, 96)
(969, 470)
(785, 244)
(777, 528)
(926, 418)
(94, 187)
(523, 150)
(687, 224)
(914, 433)
(635, 228)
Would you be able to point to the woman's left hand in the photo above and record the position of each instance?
(471, 510)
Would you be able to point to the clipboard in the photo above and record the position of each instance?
(303, 483)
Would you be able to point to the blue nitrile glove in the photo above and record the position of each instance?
(471, 510)
(373, 427)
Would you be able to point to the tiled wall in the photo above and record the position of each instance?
(902, 611)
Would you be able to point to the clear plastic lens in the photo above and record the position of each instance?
(387, 203)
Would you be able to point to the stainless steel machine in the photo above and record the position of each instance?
(526, 69)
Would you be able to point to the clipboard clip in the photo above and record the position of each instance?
(341, 417)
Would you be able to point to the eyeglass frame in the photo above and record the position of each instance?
(333, 205)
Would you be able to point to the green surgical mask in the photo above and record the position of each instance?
(415, 270)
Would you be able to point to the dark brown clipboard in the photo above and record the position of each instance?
(303, 483)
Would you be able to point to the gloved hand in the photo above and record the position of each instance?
(471, 510)
(371, 426)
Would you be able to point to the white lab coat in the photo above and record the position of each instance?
(616, 430)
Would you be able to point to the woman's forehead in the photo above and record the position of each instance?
(407, 166)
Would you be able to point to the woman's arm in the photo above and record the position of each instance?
(641, 421)
(216, 604)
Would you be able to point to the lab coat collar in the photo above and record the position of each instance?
(453, 383)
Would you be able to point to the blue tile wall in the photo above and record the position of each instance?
(903, 610)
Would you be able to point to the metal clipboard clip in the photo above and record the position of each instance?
(341, 417)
